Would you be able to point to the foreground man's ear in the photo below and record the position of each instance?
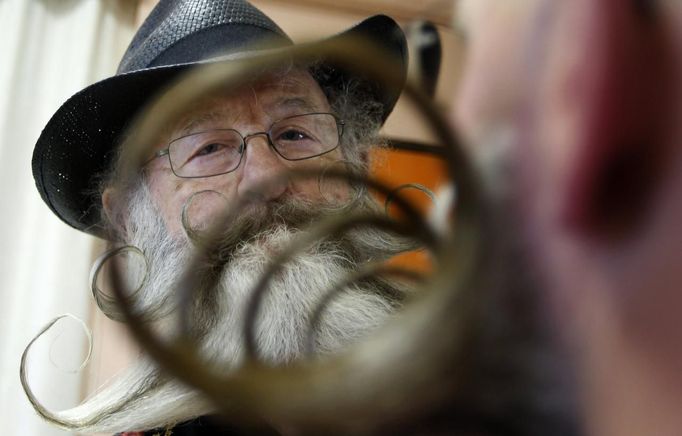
(624, 101)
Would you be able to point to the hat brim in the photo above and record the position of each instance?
(78, 143)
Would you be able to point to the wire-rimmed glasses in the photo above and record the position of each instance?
(219, 151)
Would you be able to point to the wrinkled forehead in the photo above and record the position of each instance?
(271, 87)
(281, 80)
(272, 95)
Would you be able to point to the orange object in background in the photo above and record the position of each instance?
(401, 167)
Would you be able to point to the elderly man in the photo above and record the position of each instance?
(220, 151)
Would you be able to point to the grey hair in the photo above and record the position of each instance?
(355, 103)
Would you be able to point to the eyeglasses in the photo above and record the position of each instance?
(219, 151)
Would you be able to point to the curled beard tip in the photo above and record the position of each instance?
(390, 198)
(44, 412)
(193, 233)
(106, 303)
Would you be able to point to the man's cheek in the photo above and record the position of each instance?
(324, 186)
(186, 204)
(320, 189)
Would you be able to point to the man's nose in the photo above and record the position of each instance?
(260, 165)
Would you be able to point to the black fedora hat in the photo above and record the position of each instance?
(78, 143)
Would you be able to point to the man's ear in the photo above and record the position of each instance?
(623, 142)
(113, 208)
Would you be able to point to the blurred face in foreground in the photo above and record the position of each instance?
(575, 104)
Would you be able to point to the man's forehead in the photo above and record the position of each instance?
(275, 94)
(223, 112)
(289, 80)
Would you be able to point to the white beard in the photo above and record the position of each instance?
(141, 399)
(282, 324)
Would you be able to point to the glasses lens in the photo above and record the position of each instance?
(206, 153)
(305, 136)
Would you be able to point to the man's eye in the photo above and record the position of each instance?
(293, 135)
(209, 149)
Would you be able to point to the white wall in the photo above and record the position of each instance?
(50, 49)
